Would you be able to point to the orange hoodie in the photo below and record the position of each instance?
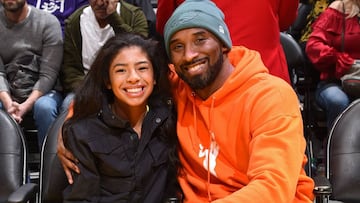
(252, 129)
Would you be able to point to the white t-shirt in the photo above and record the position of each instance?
(93, 36)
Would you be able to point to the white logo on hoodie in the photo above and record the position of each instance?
(214, 151)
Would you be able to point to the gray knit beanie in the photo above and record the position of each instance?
(197, 14)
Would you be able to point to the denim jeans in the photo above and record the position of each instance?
(45, 111)
(332, 99)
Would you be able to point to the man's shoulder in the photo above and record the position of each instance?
(43, 15)
(239, 54)
(77, 12)
(129, 7)
(74, 18)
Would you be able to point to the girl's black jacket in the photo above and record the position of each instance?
(116, 166)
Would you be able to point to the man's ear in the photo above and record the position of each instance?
(171, 67)
(225, 49)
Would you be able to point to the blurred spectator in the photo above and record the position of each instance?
(333, 55)
(87, 29)
(253, 24)
(31, 52)
(149, 12)
(300, 30)
(316, 8)
(62, 9)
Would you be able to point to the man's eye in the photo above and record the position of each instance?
(177, 47)
(200, 40)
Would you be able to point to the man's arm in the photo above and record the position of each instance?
(21, 109)
(67, 159)
(51, 54)
(131, 19)
(287, 13)
(277, 152)
(4, 87)
(72, 71)
(7, 103)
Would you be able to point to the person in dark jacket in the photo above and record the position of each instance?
(87, 29)
(122, 127)
(147, 7)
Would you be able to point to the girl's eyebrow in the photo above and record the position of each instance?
(137, 63)
(142, 62)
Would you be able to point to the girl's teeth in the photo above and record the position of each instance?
(134, 90)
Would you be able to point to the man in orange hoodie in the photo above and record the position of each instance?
(239, 128)
(254, 24)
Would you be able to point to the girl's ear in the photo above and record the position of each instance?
(108, 86)
(107, 83)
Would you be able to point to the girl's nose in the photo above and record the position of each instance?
(133, 76)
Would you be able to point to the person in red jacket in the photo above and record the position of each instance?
(332, 48)
(253, 24)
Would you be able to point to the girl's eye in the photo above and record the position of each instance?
(120, 70)
(143, 68)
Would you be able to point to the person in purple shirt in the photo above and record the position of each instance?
(60, 8)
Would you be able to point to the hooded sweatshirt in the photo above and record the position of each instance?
(245, 142)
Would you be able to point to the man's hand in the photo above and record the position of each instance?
(111, 6)
(14, 111)
(67, 159)
(22, 109)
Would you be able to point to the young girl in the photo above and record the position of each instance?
(123, 127)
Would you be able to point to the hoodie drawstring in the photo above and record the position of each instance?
(212, 139)
(195, 124)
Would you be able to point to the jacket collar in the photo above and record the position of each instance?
(155, 117)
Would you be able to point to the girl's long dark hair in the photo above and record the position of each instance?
(93, 91)
(90, 95)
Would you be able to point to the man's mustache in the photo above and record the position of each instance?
(193, 62)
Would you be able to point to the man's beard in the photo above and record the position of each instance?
(203, 80)
(14, 7)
